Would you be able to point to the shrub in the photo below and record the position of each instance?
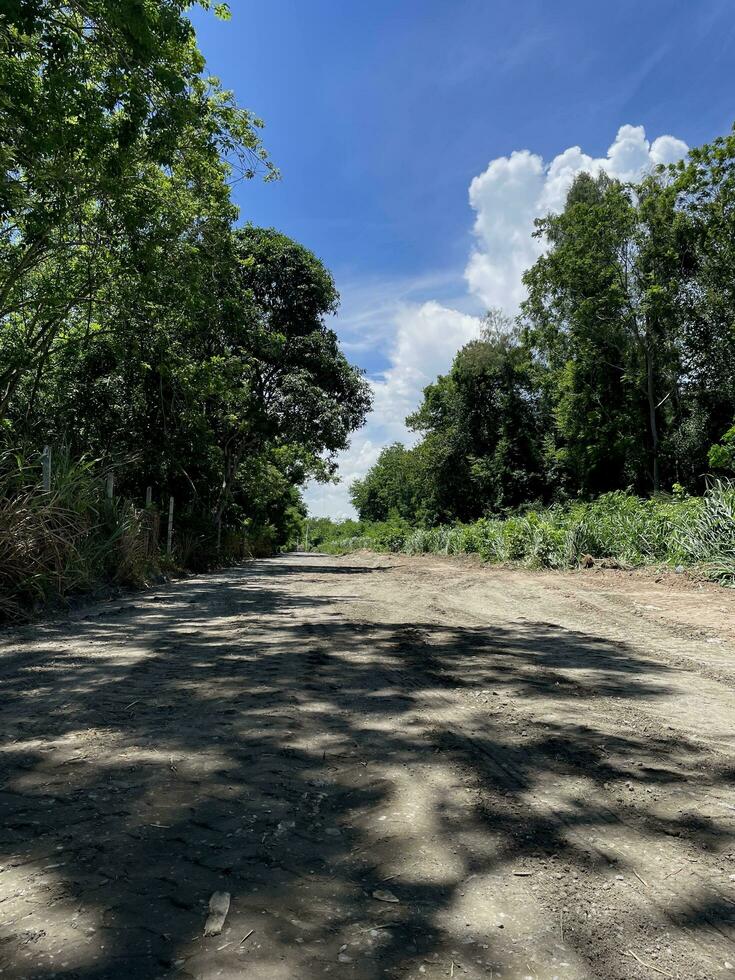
(66, 540)
(676, 530)
(73, 539)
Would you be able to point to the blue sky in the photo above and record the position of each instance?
(399, 129)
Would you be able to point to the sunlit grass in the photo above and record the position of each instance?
(678, 531)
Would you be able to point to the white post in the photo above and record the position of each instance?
(148, 496)
(170, 524)
(46, 465)
(110, 485)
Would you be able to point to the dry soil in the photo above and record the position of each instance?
(395, 768)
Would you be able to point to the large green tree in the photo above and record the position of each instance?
(395, 487)
(483, 426)
(623, 372)
(137, 323)
(238, 373)
(706, 195)
(113, 143)
(604, 321)
(290, 383)
(482, 429)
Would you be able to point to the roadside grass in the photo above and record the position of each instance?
(625, 530)
(65, 541)
(73, 540)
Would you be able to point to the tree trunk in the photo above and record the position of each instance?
(652, 417)
(232, 460)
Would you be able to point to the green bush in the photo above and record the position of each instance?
(668, 530)
(67, 540)
(73, 539)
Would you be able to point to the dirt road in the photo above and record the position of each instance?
(397, 768)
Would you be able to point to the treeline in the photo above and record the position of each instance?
(140, 324)
(618, 374)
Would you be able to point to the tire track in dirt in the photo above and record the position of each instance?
(306, 732)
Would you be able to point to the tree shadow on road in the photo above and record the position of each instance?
(232, 734)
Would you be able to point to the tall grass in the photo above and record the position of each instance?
(696, 532)
(64, 541)
(73, 539)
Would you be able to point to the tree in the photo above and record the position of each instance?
(137, 323)
(603, 318)
(721, 456)
(392, 488)
(481, 446)
(483, 427)
(237, 374)
(622, 374)
(291, 384)
(706, 196)
(108, 124)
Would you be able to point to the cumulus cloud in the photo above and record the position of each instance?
(426, 337)
(515, 190)
(422, 338)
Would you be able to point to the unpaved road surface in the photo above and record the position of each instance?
(397, 768)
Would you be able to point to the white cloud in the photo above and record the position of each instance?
(426, 338)
(668, 149)
(420, 339)
(514, 190)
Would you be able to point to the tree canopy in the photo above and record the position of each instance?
(139, 321)
(617, 374)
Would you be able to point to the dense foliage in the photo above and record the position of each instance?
(616, 530)
(139, 325)
(618, 374)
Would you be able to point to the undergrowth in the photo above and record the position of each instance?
(693, 532)
(73, 540)
(65, 541)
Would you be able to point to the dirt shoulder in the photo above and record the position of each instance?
(395, 767)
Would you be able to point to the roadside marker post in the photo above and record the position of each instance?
(170, 525)
(46, 469)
